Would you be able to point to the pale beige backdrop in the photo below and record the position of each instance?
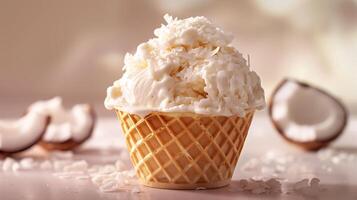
(75, 48)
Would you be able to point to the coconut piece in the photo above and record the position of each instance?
(21, 134)
(27, 164)
(68, 128)
(306, 116)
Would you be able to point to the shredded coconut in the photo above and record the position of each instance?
(58, 165)
(272, 163)
(108, 178)
(260, 186)
(27, 164)
(76, 166)
(335, 156)
(116, 178)
(15, 167)
(8, 164)
(189, 66)
(306, 187)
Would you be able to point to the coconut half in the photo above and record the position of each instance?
(305, 115)
(21, 134)
(68, 128)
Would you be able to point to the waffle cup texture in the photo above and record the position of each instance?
(184, 151)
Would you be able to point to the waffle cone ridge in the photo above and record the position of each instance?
(184, 151)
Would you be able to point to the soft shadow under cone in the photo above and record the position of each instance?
(184, 151)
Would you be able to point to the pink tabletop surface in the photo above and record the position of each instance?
(339, 182)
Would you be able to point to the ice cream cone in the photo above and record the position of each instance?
(184, 151)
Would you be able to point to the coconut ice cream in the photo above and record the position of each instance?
(190, 66)
(185, 103)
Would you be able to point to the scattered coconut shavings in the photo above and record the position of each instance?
(58, 165)
(306, 187)
(272, 163)
(109, 186)
(274, 185)
(336, 157)
(301, 184)
(27, 164)
(81, 166)
(269, 186)
(278, 158)
(276, 164)
(114, 177)
(15, 167)
(9, 164)
(72, 169)
(117, 178)
(107, 169)
(93, 169)
(115, 181)
(108, 178)
(251, 165)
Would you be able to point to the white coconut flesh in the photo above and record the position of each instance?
(74, 124)
(305, 113)
(19, 134)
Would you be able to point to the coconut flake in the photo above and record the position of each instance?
(274, 185)
(109, 178)
(336, 157)
(308, 187)
(107, 169)
(60, 164)
(15, 167)
(27, 163)
(259, 186)
(8, 163)
(109, 186)
(304, 183)
(81, 165)
(251, 165)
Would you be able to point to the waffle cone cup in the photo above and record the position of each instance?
(184, 151)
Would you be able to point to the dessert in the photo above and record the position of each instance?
(185, 103)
